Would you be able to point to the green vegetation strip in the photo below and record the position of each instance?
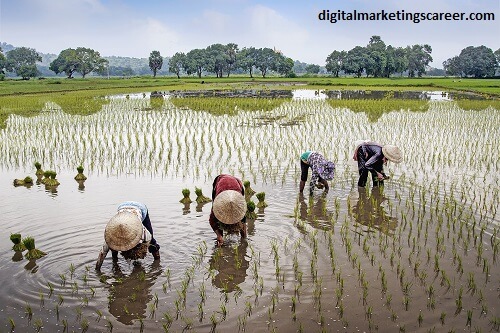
(219, 105)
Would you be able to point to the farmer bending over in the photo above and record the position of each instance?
(229, 207)
(322, 170)
(130, 232)
(372, 157)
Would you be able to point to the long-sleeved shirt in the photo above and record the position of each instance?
(223, 183)
(370, 157)
(136, 208)
(320, 167)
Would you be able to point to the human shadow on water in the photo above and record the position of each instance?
(316, 213)
(130, 295)
(231, 263)
(368, 210)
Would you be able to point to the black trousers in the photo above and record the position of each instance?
(153, 246)
(363, 172)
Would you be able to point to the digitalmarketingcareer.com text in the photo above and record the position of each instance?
(401, 15)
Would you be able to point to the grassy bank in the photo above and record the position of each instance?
(490, 87)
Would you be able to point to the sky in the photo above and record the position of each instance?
(134, 28)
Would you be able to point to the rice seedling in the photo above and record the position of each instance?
(200, 198)
(18, 245)
(38, 324)
(249, 192)
(250, 214)
(80, 176)
(186, 199)
(33, 253)
(261, 196)
(28, 311)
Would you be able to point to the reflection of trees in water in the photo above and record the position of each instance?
(231, 265)
(129, 295)
(368, 210)
(316, 213)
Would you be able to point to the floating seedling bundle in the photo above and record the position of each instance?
(50, 178)
(138, 252)
(248, 190)
(26, 181)
(80, 175)
(39, 171)
(33, 253)
(200, 198)
(18, 245)
(186, 199)
(262, 197)
(250, 214)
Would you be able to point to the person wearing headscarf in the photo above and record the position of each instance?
(322, 170)
(130, 232)
(228, 207)
(371, 157)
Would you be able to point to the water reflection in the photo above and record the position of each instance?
(368, 210)
(129, 295)
(230, 261)
(31, 266)
(18, 256)
(316, 212)
(81, 185)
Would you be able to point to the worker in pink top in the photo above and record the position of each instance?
(229, 206)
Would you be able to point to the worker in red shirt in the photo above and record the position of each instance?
(229, 207)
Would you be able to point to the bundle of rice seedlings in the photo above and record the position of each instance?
(200, 198)
(33, 253)
(250, 214)
(50, 178)
(248, 190)
(262, 197)
(138, 252)
(39, 171)
(26, 181)
(18, 245)
(80, 175)
(231, 228)
(186, 199)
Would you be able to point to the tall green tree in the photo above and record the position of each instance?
(266, 59)
(478, 61)
(232, 57)
(67, 62)
(89, 61)
(283, 65)
(177, 63)
(247, 59)
(312, 69)
(376, 57)
(335, 62)
(453, 66)
(196, 62)
(155, 61)
(216, 59)
(355, 61)
(2, 62)
(419, 56)
(22, 61)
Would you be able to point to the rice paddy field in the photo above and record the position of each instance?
(418, 255)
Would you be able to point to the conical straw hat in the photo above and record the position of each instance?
(123, 231)
(229, 207)
(392, 153)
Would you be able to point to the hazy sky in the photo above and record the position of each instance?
(134, 28)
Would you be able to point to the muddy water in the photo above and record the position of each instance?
(345, 261)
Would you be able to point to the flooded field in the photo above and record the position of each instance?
(419, 255)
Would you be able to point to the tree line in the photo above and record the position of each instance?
(375, 59)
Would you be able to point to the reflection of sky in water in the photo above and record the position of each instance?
(438, 95)
(308, 94)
